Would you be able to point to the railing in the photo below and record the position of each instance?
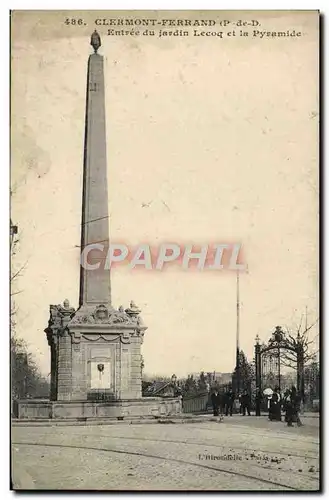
(196, 404)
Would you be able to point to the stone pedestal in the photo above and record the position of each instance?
(96, 353)
(131, 409)
(96, 368)
(106, 363)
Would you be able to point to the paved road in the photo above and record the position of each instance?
(241, 453)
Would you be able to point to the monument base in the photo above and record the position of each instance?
(30, 409)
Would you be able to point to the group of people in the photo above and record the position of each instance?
(290, 403)
(223, 403)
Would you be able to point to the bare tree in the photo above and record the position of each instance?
(25, 376)
(299, 343)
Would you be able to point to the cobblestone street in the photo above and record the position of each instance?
(240, 453)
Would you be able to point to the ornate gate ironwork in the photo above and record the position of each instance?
(268, 358)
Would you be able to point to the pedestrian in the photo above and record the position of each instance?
(289, 408)
(245, 403)
(240, 403)
(229, 396)
(296, 402)
(285, 403)
(222, 403)
(275, 405)
(258, 401)
(215, 400)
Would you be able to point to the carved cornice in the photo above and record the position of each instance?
(101, 315)
(125, 337)
(105, 315)
(95, 322)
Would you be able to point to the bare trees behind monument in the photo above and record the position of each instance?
(302, 343)
(300, 338)
(26, 380)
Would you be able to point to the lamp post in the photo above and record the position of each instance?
(258, 375)
(237, 363)
(278, 336)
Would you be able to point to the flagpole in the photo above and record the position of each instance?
(237, 332)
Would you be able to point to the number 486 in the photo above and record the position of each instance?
(72, 21)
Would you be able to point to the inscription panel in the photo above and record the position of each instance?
(101, 367)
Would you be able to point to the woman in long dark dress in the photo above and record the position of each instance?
(275, 405)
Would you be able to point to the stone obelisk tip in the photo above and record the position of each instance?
(95, 41)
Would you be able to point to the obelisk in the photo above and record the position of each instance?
(96, 349)
(103, 354)
(95, 287)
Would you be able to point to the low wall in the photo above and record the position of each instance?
(145, 407)
(196, 404)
